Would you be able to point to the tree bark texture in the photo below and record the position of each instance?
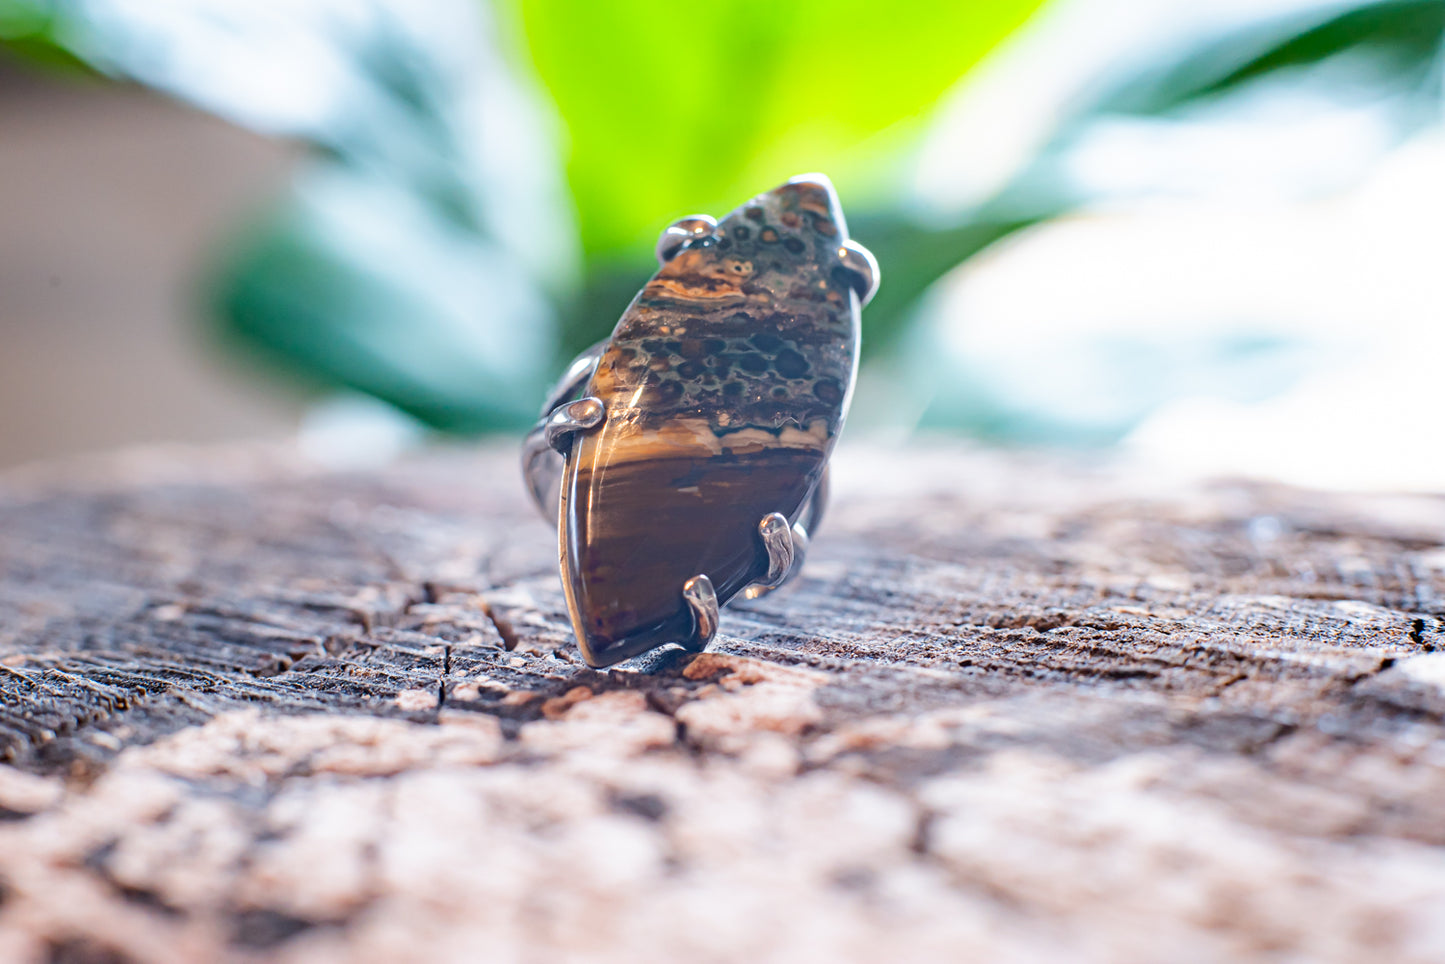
(1015, 709)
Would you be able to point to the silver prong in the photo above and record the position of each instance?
(859, 262)
(571, 418)
(702, 600)
(777, 536)
(578, 374)
(542, 464)
(786, 546)
(680, 232)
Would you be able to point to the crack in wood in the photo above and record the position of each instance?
(1043, 715)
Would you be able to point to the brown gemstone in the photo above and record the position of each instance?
(708, 427)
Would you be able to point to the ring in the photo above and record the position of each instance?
(684, 458)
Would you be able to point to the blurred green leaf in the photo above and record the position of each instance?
(28, 33)
(1391, 52)
(426, 240)
(414, 261)
(675, 107)
(1404, 39)
(358, 282)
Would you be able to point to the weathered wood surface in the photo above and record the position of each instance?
(1014, 710)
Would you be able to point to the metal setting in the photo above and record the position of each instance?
(657, 446)
(702, 600)
(860, 264)
(682, 231)
(783, 547)
(569, 419)
(777, 536)
(542, 463)
(786, 546)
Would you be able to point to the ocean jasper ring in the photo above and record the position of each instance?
(685, 456)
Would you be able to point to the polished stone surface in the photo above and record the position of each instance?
(726, 383)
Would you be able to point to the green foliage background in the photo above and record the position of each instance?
(675, 107)
(397, 266)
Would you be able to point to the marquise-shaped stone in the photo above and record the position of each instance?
(726, 383)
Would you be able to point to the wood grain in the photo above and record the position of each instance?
(1015, 709)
